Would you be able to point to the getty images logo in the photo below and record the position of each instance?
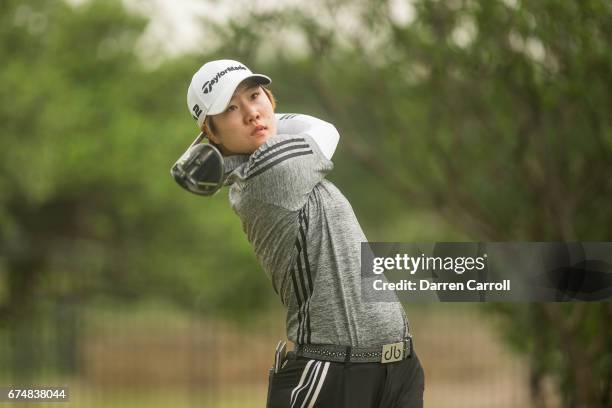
(208, 85)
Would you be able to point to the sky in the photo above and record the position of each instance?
(176, 26)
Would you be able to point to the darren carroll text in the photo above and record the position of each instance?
(424, 284)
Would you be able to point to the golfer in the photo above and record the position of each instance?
(347, 353)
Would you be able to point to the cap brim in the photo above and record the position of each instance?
(224, 98)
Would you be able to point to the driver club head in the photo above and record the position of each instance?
(200, 169)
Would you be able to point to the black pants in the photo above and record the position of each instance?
(306, 383)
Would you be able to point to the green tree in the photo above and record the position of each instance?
(494, 114)
(88, 209)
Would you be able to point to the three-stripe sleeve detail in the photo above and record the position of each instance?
(302, 280)
(303, 219)
(262, 153)
(299, 301)
(273, 155)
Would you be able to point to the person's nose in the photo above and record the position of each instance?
(252, 114)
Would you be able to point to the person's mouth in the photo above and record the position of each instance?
(259, 130)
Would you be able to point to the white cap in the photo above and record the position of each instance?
(212, 87)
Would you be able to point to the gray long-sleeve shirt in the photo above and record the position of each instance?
(307, 238)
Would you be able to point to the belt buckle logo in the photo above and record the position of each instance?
(392, 352)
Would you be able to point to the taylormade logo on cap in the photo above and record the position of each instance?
(213, 86)
(209, 84)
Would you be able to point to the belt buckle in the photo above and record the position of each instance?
(392, 352)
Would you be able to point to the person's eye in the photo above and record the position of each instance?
(254, 95)
(231, 108)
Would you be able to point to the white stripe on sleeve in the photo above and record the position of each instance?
(325, 134)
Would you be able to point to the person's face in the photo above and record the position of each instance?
(247, 123)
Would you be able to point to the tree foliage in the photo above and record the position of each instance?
(88, 210)
(494, 114)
